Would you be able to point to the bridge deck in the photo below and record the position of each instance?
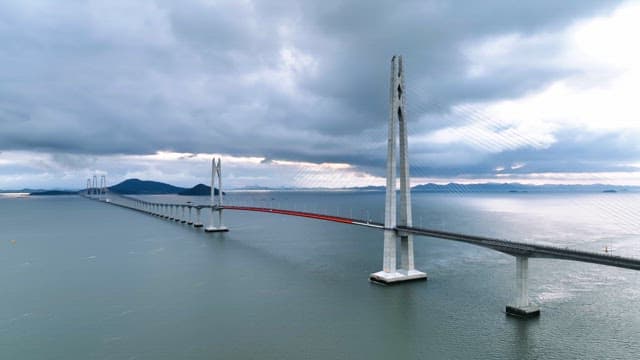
(506, 246)
(337, 219)
(530, 250)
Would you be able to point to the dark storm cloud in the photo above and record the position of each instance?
(284, 80)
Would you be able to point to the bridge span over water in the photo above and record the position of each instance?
(397, 228)
(191, 214)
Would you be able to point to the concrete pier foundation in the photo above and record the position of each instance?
(176, 216)
(197, 223)
(182, 218)
(211, 227)
(521, 306)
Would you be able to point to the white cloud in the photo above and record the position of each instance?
(596, 96)
(183, 169)
(600, 96)
(300, 81)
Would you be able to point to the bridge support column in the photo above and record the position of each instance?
(183, 219)
(176, 216)
(190, 221)
(211, 228)
(197, 223)
(521, 306)
(390, 273)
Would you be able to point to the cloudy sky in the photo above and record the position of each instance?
(295, 93)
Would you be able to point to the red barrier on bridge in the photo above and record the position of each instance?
(293, 213)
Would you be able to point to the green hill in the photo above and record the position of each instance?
(140, 187)
(198, 190)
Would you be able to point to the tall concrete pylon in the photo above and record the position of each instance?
(391, 273)
(103, 187)
(95, 185)
(221, 227)
(211, 227)
(216, 201)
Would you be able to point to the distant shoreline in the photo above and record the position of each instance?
(145, 187)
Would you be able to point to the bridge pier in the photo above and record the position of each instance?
(521, 306)
(190, 221)
(197, 223)
(211, 228)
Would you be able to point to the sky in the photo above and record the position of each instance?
(295, 93)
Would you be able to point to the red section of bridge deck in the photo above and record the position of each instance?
(292, 213)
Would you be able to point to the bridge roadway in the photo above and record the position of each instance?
(513, 248)
(505, 246)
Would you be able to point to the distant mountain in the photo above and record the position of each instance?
(518, 188)
(140, 187)
(291, 188)
(267, 188)
(199, 190)
(368, 188)
(53, 192)
(22, 191)
(473, 188)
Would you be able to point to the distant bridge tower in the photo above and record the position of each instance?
(94, 189)
(391, 273)
(216, 200)
(88, 186)
(103, 187)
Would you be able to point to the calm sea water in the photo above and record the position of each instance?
(87, 280)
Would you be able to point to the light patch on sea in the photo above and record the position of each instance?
(570, 285)
(156, 251)
(552, 293)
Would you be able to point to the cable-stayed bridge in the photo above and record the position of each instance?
(398, 229)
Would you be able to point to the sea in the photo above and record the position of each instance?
(83, 279)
